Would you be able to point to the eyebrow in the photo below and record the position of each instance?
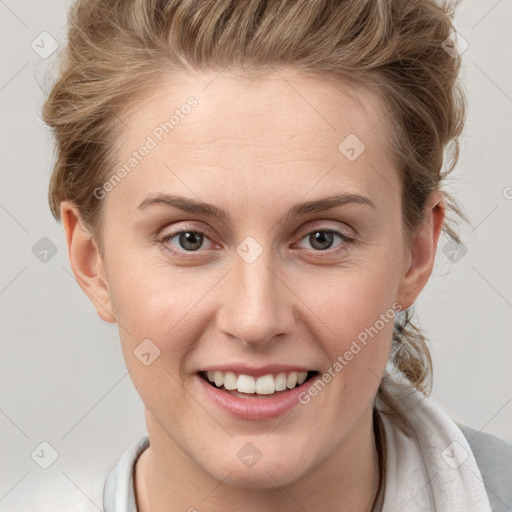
(199, 207)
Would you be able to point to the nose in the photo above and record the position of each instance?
(256, 304)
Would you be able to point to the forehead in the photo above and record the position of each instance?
(284, 128)
(280, 99)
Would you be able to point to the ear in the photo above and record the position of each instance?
(421, 250)
(86, 261)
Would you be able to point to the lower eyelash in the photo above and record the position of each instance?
(345, 238)
(180, 254)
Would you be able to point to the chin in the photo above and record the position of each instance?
(264, 478)
(266, 473)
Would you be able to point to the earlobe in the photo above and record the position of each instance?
(422, 250)
(86, 261)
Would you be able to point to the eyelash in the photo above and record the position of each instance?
(347, 240)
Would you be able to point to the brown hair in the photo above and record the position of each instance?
(118, 50)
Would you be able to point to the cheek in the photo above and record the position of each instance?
(159, 325)
(352, 299)
(168, 306)
(354, 312)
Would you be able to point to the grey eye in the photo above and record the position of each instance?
(321, 239)
(189, 240)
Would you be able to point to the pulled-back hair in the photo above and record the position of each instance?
(120, 50)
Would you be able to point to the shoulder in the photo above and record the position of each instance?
(119, 491)
(494, 458)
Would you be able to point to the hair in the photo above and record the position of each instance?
(119, 50)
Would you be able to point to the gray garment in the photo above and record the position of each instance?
(493, 456)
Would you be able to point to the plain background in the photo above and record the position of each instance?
(63, 378)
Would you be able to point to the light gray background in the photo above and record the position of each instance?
(63, 378)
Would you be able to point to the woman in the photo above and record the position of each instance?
(253, 192)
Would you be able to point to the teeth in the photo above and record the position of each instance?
(230, 381)
(245, 384)
(281, 382)
(301, 377)
(264, 385)
(291, 381)
(219, 378)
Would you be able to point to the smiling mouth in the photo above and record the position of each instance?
(247, 386)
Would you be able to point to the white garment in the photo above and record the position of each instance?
(429, 465)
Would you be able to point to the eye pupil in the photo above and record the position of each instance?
(188, 238)
(322, 237)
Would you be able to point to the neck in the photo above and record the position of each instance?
(348, 480)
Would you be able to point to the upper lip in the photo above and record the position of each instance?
(256, 371)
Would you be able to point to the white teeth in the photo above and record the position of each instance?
(246, 384)
(264, 385)
(291, 381)
(219, 378)
(301, 377)
(230, 381)
(281, 382)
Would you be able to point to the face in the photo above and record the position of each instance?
(267, 287)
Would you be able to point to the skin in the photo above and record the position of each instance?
(255, 148)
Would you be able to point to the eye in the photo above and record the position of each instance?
(189, 240)
(322, 239)
(185, 241)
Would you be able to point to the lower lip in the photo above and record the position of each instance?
(255, 408)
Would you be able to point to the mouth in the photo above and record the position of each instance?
(265, 386)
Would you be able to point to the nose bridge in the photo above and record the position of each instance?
(254, 307)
